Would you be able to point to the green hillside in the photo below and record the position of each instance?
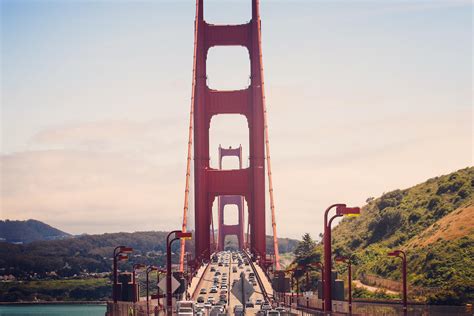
(444, 268)
(432, 222)
(91, 253)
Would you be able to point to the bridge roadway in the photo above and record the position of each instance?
(228, 269)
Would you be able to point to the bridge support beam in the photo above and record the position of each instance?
(250, 182)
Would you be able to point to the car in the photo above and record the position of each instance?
(185, 308)
(273, 312)
(258, 301)
(217, 273)
(213, 269)
(203, 291)
(265, 306)
(281, 309)
(249, 304)
(234, 269)
(220, 264)
(216, 310)
(208, 305)
(254, 283)
(200, 299)
(239, 310)
(221, 303)
(213, 290)
(210, 299)
(223, 286)
(223, 292)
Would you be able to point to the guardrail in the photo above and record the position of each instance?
(198, 285)
(257, 276)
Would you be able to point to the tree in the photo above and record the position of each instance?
(305, 247)
(306, 251)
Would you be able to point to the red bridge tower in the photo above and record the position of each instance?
(248, 182)
(238, 200)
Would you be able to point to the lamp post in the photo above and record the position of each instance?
(136, 267)
(148, 270)
(349, 276)
(341, 210)
(120, 254)
(159, 272)
(320, 266)
(178, 234)
(402, 255)
(293, 277)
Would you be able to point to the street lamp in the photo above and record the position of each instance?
(159, 272)
(320, 266)
(403, 256)
(349, 272)
(178, 234)
(136, 267)
(341, 210)
(148, 270)
(292, 273)
(120, 254)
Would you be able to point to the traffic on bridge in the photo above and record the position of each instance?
(208, 278)
(217, 281)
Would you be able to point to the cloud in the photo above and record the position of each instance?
(67, 187)
(127, 175)
(121, 174)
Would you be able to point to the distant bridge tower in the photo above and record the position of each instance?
(223, 200)
(247, 182)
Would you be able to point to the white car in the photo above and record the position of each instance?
(185, 308)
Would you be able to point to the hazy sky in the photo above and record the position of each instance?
(363, 97)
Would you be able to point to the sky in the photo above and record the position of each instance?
(363, 97)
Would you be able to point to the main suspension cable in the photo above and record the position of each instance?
(267, 151)
(190, 146)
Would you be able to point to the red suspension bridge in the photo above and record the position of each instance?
(251, 272)
(229, 186)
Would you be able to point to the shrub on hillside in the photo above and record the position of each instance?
(390, 199)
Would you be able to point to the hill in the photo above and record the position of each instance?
(28, 231)
(89, 254)
(432, 222)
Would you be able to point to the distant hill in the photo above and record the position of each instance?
(433, 222)
(28, 231)
(90, 253)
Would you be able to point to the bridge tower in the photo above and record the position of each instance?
(223, 200)
(248, 182)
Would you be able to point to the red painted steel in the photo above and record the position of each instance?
(223, 200)
(208, 182)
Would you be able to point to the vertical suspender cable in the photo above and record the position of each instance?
(267, 151)
(190, 145)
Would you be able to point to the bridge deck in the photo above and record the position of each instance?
(227, 266)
